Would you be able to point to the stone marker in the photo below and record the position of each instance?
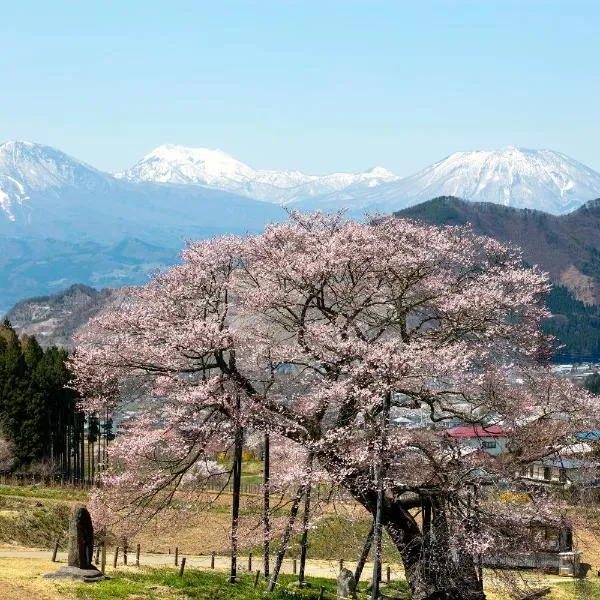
(80, 549)
(346, 585)
(81, 538)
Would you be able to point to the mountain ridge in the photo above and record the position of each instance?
(62, 220)
(173, 163)
(541, 179)
(567, 246)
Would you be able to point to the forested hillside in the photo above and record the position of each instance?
(567, 246)
(575, 325)
(41, 429)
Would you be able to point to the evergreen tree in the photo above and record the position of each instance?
(38, 412)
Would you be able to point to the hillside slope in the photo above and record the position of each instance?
(566, 246)
(54, 319)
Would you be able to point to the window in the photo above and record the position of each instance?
(488, 444)
(547, 473)
(562, 475)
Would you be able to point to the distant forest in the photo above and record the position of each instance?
(575, 325)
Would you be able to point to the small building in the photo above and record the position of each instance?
(489, 438)
(561, 471)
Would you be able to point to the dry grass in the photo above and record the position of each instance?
(20, 579)
(208, 531)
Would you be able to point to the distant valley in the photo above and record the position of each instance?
(567, 246)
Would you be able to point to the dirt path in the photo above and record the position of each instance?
(314, 568)
(21, 570)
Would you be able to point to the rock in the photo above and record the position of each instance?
(80, 547)
(346, 584)
(75, 573)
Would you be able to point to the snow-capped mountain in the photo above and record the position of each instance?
(27, 169)
(45, 192)
(214, 168)
(63, 221)
(539, 179)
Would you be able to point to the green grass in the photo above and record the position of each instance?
(252, 471)
(50, 493)
(155, 584)
(579, 589)
(32, 523)
(335, 537)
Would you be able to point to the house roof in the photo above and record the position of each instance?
(568, 463)
(474, 431)
(588, 435)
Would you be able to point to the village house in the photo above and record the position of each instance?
(491, 439)
(560, 470)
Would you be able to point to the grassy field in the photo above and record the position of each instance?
(20, 580)
(35, 517)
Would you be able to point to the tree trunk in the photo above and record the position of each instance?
(432, 570)
(365, 554)
(305, 523)
(286, 537)
(235, 504)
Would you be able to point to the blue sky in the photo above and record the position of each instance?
(318, 86)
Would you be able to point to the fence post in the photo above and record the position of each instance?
(256, 578)
(103, 558)
(176, 556)
(125, 551)
(137, 556)
(55, 551)
(182, 567)
(250, 562)
(116, 558)
(341, 563)
(212, 560)
(388, 573)
(97, 552)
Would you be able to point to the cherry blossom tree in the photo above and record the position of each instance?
(304, 332)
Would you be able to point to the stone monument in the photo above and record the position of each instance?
(80, 549)
(346, 584)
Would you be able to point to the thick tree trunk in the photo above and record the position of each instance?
(432, 570)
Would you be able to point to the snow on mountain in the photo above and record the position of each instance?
(539, 179)
(27, 169)
(46, 193)
(64, 222)
(178, 164)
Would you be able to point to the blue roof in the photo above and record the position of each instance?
(588, 435)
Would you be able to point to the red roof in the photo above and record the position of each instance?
(474, 431)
